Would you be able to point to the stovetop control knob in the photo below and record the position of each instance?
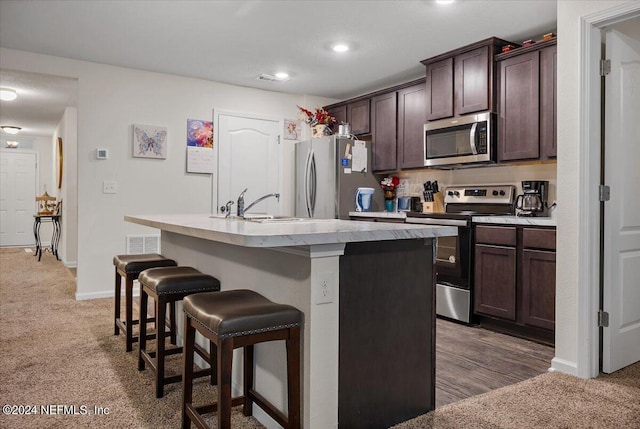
(495, 193)
(456, 193)
(502, 193)
(450, 193)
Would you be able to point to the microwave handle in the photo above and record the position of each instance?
(472, 139)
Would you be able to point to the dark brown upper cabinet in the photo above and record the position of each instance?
(412, 111)
(462, 81)
(548, 91)
(384, 114)
(340, 113)
(397, 118)
(439, 89)
(527, 103)
(518, 121)
(472, 72)
(358, 115)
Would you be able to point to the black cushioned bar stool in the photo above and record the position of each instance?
(167, 286)
(130, 267)
(233, 319)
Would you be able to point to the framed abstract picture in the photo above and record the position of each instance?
(292, 129)
(199, 133)
(149, 141)
(199, 146)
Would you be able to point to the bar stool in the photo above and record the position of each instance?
(233, 319)
(169, 285)
(130, 267)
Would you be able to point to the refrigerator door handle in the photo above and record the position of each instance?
(306, 183)
(313, 175)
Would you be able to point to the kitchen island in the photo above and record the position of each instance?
(367, 294)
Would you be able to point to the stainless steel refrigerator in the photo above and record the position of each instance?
(326, 181)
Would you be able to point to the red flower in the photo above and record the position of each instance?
(319, 117)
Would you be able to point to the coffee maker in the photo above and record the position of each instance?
(533, 200)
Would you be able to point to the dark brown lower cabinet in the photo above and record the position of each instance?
(495, 281)
(515, 280)
(539, 288)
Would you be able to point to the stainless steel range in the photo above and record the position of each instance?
(455, 255)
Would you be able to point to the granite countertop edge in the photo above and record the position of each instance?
(312, 232)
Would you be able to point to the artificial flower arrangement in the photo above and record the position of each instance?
(319, 117)
(390, 183)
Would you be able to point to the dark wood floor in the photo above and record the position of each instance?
(471, 360)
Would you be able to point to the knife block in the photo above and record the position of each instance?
(435, 206)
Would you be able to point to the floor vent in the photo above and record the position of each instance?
(143, 244)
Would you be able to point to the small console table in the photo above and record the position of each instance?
(55, 236)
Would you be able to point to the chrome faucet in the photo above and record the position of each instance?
(241, 208)
(227, 208)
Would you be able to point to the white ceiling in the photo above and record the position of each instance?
(235, 41)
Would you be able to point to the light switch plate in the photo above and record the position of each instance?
(109, 187)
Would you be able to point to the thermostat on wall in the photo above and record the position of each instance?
(101, 154)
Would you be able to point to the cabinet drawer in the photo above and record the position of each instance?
(500, 235)
(537, 238)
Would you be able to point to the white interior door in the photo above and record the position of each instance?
(17, 198)
(249, 157)
(621, 340)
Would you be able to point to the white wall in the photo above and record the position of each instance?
(110, 100)
(68, 193)
(43, 145)
(569, 147)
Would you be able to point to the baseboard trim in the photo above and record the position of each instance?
(564, 366)
(73, 264)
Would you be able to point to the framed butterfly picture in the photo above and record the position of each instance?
(149, 141)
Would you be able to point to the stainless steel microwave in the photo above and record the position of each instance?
(460, 141)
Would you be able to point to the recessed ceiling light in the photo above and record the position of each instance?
(9, 129)
(340, 47)
(8, 94)
(12, 144)
(282, 75)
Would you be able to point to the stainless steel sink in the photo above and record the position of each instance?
(275, 219)
(264, 218)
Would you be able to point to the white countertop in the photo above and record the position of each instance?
(279, 234)
(516, 220)
(390, 215)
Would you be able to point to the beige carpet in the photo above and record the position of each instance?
(56, 351)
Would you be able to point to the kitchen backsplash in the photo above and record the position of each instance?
(498, 175)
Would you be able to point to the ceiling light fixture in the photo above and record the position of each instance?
(340, 47)
(10, 129)
(282, 76)
(444, 1)
(12, 144)
(8, 94)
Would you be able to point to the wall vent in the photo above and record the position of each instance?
(143, 244)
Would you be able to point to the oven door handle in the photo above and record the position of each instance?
(433, 221)
(472, 139)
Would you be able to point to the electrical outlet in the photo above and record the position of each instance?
(325, 287)
(109, 187)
